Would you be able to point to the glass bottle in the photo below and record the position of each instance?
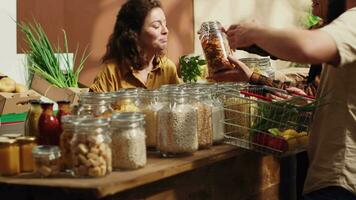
(90, 147)
(26, 144)
(152, 102)
(215, 46)
(47, 160)
(48, 126)
(178, 126)
(63, 109)
(10, 157)
(31, 124)
(128, 141)
(95, 104)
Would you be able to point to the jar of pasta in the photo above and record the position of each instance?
(127, 101)
(215, 46)
(90, 147)
(47, 160)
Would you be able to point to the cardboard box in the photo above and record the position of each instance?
(54, 93)
(16, 102)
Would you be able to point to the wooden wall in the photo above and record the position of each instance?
(90, 22)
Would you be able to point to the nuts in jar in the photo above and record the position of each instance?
(47, 160)
(90, 146)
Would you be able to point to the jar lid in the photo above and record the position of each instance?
(46, 151)
(35, 102)
(26, 139)
(63, 102)
(127, 116)
(12, 135)
(7, 141)
(93, 122)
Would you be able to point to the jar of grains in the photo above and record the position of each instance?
(95, 104)
(215, 46)
(203, 104)
(218, 117)
(152, 102)
(90, 147)
(177, 132)
(68, 126)
(128, 141)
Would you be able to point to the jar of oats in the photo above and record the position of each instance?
(90, 147)
(177, 132)
(128, 141)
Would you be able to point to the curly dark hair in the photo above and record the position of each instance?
(123, 45)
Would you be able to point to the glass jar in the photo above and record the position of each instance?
(127, 101)
(63, 109)
(218, 118)
(48, 126)
(95, 104)
(31, 124)
(47, 160)
(152, 102)
(90, 146)
(128, 141)
(10, 157)
(203, 104)
(27, 144)
(215, 46)
(177, 133)
(68, 127)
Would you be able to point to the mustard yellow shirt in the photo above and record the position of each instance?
(111, 78)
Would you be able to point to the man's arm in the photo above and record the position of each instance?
(296, 45)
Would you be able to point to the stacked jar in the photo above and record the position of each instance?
(177, 121)
(152, 102)
(128, 141)
(90, 147)
(95, 104)
(127, 100)
(215, 46)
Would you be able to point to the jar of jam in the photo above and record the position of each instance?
(10, 157)
(27, 144)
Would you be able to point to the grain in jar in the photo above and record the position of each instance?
(128, 141)
(26, 144)
(178, 126)
(10, 157)
(152, 102)
(90, 147)
(47, 160)
(126, 100)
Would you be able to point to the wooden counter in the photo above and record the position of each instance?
(210, 172)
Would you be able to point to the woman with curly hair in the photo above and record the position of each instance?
(135, 51)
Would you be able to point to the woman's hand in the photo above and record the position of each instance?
(241, 73)
(241, 35)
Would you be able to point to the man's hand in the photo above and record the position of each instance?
(241, 35)
(241, 73)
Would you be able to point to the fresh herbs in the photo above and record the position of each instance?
(191, 67)
(44, 61)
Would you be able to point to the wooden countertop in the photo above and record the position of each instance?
(156, 169)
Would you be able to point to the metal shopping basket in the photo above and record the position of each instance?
(256, 120)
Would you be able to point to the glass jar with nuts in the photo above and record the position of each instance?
(47, 160)
(90, 147)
